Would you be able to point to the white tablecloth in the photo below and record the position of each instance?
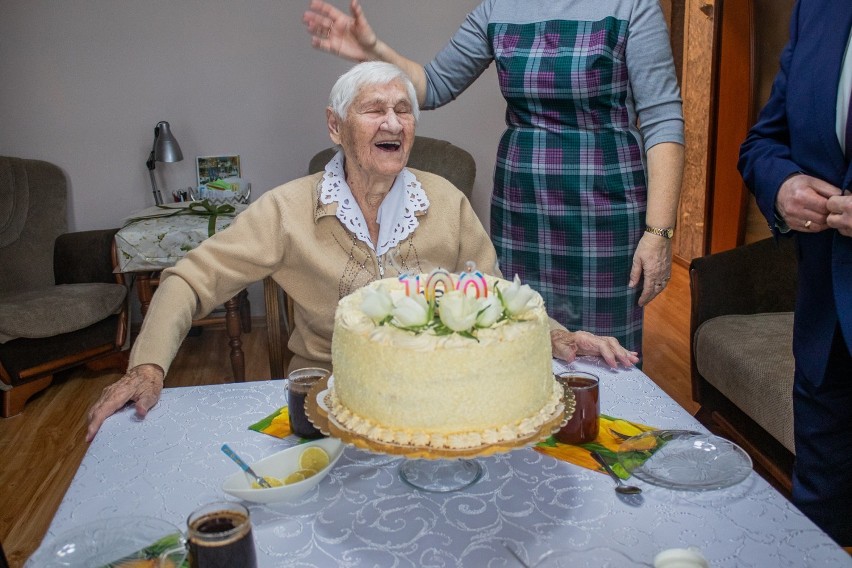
(362, 514)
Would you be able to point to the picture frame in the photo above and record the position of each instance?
(211, 168)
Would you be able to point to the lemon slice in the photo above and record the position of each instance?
(294, 477)
(307, 472)
(314, 458)
(272, 481)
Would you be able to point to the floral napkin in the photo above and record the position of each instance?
(612, 432)
(276, 424)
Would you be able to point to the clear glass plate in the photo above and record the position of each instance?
(681, 459)
(106, 542)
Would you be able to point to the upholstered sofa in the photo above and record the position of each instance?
(742, 357)
(60, 303)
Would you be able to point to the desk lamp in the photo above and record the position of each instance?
(165, 149)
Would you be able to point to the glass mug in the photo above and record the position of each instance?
(583, 425)
(219, 536)
(299, 383)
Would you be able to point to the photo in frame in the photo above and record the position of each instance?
(211, 168)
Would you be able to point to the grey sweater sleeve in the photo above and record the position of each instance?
(653, 82)
(654, 100)
(462, 61)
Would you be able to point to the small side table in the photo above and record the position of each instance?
(153, 242)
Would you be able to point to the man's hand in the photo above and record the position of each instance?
(803, 203)
(840, 213)
(567, 345)
(141, 384)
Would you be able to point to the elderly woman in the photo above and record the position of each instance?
(323, 236)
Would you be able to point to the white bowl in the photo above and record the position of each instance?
(280, 465)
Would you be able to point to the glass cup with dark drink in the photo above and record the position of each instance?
(583, 425)
(299, 383)
(219, 536)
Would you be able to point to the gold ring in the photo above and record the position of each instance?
(807, 224)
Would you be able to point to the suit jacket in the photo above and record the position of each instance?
(795, 132)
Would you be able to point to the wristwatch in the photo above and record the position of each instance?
(666, 232)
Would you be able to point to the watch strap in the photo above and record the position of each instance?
(665, 232)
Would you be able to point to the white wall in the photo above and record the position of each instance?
(85, 82)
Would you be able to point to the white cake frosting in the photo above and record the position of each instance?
(455, 391)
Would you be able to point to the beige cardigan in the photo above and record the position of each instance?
(290, 235)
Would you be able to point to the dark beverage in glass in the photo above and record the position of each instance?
(583, 425)
(299, 384)
(220, 536)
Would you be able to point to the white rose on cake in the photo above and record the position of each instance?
(458, 311)
(377, 304)
(411, 312)
(516, 298)
(490, 311)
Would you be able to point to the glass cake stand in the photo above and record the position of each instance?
(440, 475)
(429, 469)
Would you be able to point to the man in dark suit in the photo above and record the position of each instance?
(797, 160)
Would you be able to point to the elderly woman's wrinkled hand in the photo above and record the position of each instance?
(141, 384)
(568, 345)
(334, 32)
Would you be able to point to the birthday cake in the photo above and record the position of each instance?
(443, 361)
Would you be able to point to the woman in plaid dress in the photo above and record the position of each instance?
(588, 171)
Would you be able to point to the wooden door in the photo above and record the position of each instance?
(750, 35)
(733, 114)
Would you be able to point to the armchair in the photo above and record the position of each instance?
(60, 303)
(741, 332)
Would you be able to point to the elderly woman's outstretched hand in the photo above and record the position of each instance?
(568, 345)
(334, 32)
(141, 384)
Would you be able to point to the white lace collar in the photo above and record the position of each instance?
(396, 217)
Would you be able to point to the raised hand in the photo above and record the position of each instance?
(332, 31)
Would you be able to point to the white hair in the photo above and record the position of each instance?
(350, 84)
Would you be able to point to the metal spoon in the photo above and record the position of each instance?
(620, 486)
(245, 467)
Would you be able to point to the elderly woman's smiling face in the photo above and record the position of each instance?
(377, 132)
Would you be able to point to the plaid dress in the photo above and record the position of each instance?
(590, 85)
(569, 196)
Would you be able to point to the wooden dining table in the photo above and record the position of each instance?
(528, 509)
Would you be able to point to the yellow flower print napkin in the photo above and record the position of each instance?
(612, 432)
(276, 424)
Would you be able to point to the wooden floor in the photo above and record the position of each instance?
(43, 447)
(666, 340)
